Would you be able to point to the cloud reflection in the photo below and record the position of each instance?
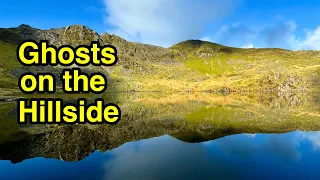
(169, 158)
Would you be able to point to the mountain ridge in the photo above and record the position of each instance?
(191, 65)
(24, 28)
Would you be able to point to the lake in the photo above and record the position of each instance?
(171, 136)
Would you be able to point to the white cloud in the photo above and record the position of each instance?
(312, 40)
(280, 34)
(248, 46)
(206, 38)
(313, 137)
(277, 35)
(251, 135)
(164, 22)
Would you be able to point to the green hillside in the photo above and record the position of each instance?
(187, 66)
(8, 62)
(253, 69)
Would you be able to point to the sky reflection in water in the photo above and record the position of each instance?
(293, 155)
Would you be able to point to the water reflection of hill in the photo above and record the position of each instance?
(194, 117)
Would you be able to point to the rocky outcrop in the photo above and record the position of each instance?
(72, 35)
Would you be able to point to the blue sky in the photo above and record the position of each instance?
(291, 24)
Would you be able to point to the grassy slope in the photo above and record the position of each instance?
(252, 69)
(8, 61)
(191, 66)
(204, 66)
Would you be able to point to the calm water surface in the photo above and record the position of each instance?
(184, 136)
(294, 155)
